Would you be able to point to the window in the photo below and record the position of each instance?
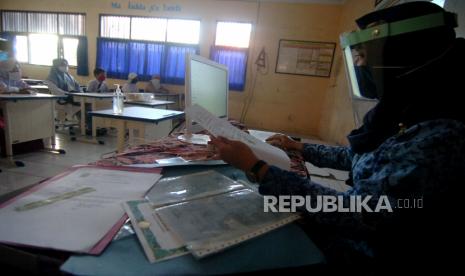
(156, 32)
(39, 37)
(42, 51)
(183, 31)
(147, 46)
(22, 52)
(231, 49)
(233, 34)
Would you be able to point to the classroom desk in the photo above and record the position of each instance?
(136, 119)
(176, 96)
(98, 101)
(152, 103)
(27, 118)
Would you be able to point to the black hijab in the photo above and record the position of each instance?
(429, 89)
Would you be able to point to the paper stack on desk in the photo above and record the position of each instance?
(201, 214)
(74, 211)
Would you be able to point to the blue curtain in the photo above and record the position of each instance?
(175, 63)
(236, 61)
(119, 58)
(82, 63)
(155, 60)
(137, 59)
(113, 57)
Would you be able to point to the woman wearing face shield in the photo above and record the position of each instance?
(60, 76)
(411, 146)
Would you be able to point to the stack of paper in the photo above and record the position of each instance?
(74, 211)
(201, 214)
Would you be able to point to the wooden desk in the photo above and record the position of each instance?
(136, 119)
(152, 103)
(27, 118)
(98, 101)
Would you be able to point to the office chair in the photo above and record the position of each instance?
(66, 114)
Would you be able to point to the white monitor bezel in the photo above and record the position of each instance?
(187, 84)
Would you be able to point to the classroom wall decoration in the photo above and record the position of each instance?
(307, 58)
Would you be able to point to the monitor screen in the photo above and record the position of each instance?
(207, 82)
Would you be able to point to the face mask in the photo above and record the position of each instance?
(156, 83)
(366, 82)
(134, 80)
(63, 69)
(15, 76)
(101, 78)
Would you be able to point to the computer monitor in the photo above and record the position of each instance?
(206, 84)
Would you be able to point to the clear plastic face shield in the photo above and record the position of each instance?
(368, 71)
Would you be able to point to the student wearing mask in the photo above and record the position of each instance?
(131, 85)
(411, 146)
(10, 77)
(154, 85)
(60, 76)
(98, 84)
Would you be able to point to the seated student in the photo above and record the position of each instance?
(154, 85)
(60, 76)
(411, 147)
(131, 85)
(98, 84)
(10, 78)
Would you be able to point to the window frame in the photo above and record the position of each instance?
(60, 36)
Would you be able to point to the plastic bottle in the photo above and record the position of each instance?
(118, 101)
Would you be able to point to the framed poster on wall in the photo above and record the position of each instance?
(307, 58)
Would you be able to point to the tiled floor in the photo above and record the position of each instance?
(40, 165)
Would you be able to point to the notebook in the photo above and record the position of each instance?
(209, 212)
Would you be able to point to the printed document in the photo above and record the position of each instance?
(218, 127)
(72, 212)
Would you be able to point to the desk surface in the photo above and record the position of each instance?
(142, 114)
(286, 247)
(93, 95)
(151, 103)
(19, 97)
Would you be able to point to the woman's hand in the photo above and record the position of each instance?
(284, 142)
(235, 153)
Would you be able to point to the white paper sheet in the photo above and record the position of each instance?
(261, 135)
(79, 222)
(272, 155)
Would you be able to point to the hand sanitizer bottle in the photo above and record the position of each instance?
(118, 101)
